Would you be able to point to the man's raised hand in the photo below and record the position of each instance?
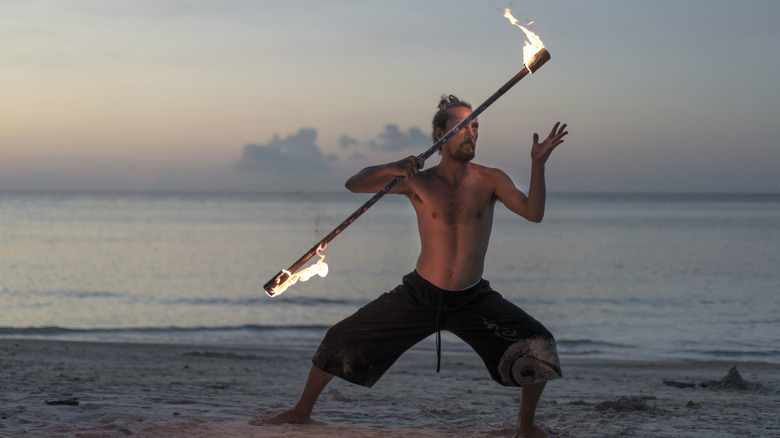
(541, 151)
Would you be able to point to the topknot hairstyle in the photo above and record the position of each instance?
(445, 103)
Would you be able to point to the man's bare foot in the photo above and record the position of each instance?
(290, 416)
(533, 431)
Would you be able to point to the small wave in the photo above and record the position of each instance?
(577, 343)
(33, 331)
(588, 347)
(264, 300)
(297, 336)
(64, 294)
(740, 354)
(311, 301)
(55, 330)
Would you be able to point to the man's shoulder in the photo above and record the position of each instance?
(486, 171)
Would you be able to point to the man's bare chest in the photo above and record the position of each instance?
(457, 206)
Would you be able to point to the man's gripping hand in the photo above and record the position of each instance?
(408, 167)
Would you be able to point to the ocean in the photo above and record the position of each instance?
(622, 276)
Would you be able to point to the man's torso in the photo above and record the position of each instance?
(454, 221)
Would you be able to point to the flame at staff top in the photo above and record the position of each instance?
(532, 46)
(320, 268)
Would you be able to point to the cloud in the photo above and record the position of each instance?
(295, 154)
(299, 154)
(357, 156)
(392, 139)
(346, 141)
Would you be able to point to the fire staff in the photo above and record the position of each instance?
(533, 59)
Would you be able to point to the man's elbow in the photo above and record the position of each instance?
(535, 216)
(353, 186)
(356, 188)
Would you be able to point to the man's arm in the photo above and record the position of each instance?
(374, 178)
(532, 206)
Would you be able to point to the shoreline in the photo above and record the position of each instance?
(91, 389)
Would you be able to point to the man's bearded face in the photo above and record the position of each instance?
(461, 146)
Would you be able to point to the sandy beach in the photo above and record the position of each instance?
(75, 389)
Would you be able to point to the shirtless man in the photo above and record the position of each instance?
(454, 202)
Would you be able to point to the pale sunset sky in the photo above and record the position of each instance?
(276, 96)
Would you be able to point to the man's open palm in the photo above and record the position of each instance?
(541, 151)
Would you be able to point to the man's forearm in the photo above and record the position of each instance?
(368, 179)
(537, 193)
(374, 178)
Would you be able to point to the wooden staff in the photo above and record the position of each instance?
(539, 59)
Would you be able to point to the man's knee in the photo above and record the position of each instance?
(528, 361)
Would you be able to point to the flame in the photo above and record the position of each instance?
(320, 268)
(532, 45)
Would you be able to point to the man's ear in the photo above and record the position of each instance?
(438, 133)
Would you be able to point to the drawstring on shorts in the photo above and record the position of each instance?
(473, 289)
(438, 331)
(454, 301)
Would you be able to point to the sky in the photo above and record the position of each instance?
(282, 96)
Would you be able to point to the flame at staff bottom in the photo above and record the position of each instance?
(320, 268)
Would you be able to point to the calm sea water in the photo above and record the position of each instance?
(612, 276)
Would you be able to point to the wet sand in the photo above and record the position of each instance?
(78, 389)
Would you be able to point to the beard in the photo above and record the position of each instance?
(465, 152)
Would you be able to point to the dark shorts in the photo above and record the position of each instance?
(516, 349)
